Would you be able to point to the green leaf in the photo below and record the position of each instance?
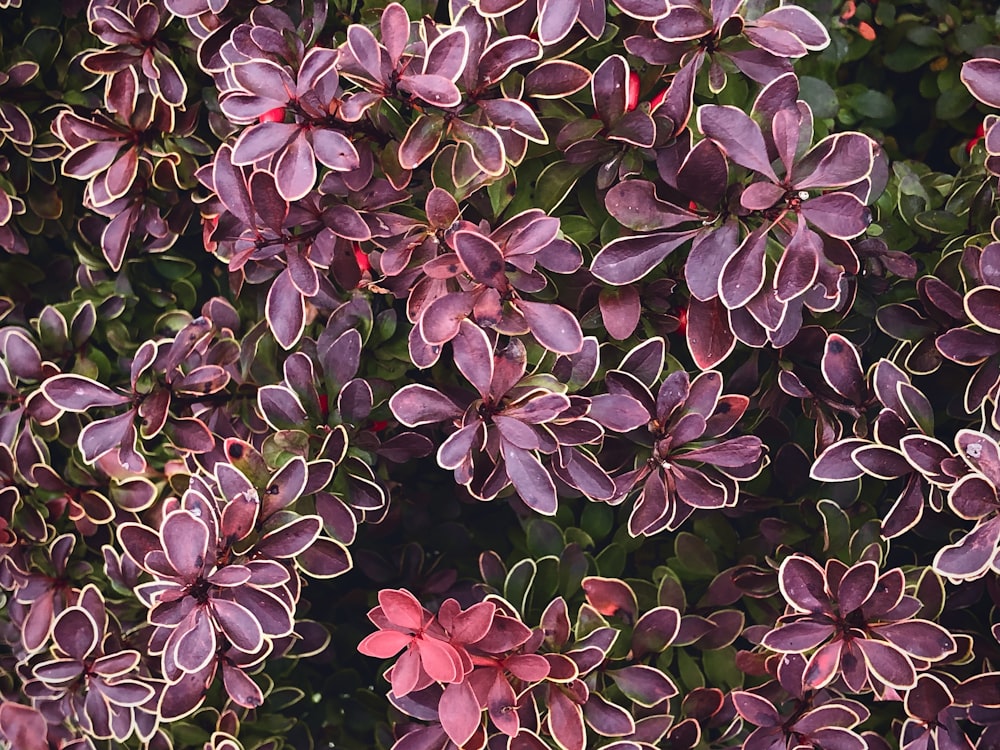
(544, 538)
(836, 525)
(517, 587)
(953, 103)
(611, 561)
(597, 520)
(721, 670)
(942, 222)
(820, 96)
(873, 104)
(555, 182)
(688, 672)
(907, 57)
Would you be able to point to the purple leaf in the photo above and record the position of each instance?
(799, 264)
(982, 77)
(284, 488)
(799, 22)
(326, 558)
(635, 205)
(260, 141)
(709, 336)
(555, 19)
(291, 539)
(856, 586)
(799, 635)
(530, 479)
(755, 709)
(103, 436)
(607, 718)
(185, 542)
(970, 556)
(555, 79)
(77, 393)
(645, 685)
(628, 259)
(285, 310)
(742, 275)
(75, 633)
(421, 141)
(565, 723)
(981, 305)
(739, 136)
(295, 172)
(459, 712)
(333, 149)
(501, 56)
(927, 699)
(840, 215)
(888, 664)
(433, 89)
(554, 327)
(921, 639)
(241, 689)
(655, 630)
(415, 405)
(482, 258)
(841, 366)
(836, 161)
(238, 624)
(442, 318)
(803, 584)
(620, 311)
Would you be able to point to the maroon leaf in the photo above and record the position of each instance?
(709, 336)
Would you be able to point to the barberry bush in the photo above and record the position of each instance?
(499, 374)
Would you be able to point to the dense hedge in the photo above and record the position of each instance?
(499, 373)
